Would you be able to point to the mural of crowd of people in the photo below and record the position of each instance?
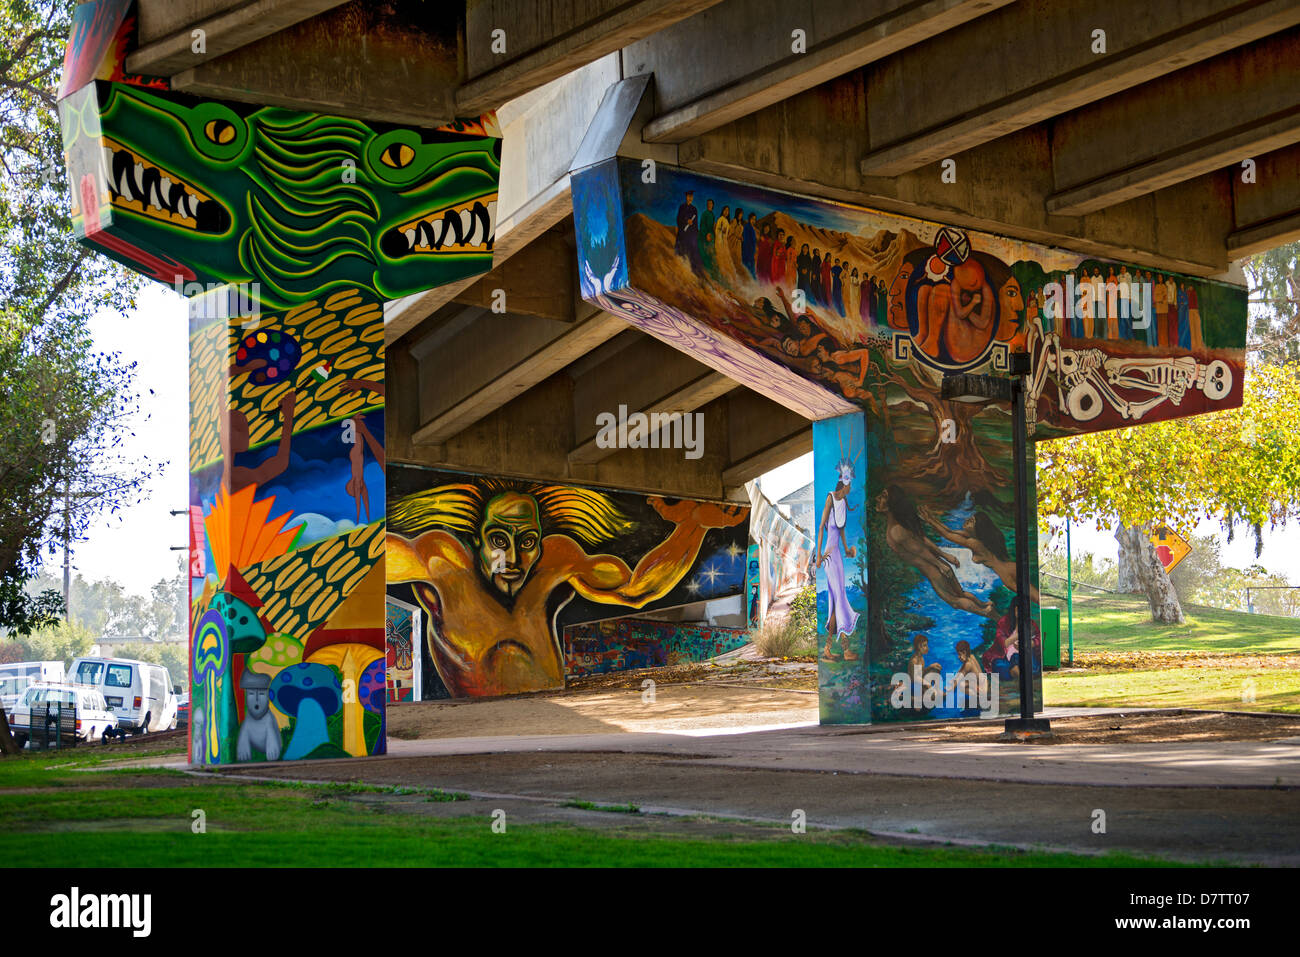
(915, 549)
(500, 566)
(287, 466)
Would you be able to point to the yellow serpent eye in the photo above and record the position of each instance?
(397, 156)
(220, 131)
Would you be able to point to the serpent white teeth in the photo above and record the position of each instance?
(139, 180)
(466, 225)
(410, 238)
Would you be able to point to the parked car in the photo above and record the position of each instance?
(94, 718)
(183, 710)
(17, 676)
(139, 693)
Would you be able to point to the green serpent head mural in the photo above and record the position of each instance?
(301, 203)
(313, 222)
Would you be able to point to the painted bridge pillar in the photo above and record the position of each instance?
(288, 231)
(852, 318)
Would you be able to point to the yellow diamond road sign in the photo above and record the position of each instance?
(1171, 548)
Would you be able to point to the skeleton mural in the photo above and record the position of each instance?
(852, 317)
(289, 231)
(1089, 380)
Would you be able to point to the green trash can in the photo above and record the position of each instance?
(1049, 624)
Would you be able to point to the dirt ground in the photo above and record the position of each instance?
(675, 708)
(700, 696)
(1159, 727)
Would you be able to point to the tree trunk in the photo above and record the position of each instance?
(1129, 584)
(1152, 577)
(7, 743)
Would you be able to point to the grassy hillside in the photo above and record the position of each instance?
(1124, 660)
(1122, 623)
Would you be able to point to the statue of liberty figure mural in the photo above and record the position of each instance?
(840, 564)
(841, 618)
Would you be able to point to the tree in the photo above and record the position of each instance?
(62, 406)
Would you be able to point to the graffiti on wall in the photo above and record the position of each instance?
(288, 231)
(402, 627)
(835, 311)
(783, 552)
(623, 644)
(499, 566)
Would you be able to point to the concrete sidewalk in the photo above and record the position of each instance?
(896, 751)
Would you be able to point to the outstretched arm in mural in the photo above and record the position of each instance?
(981, 535)
(906, 538)
(234, 441)
(425, 558)
(607, 578)
(356, 385)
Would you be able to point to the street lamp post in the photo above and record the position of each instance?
(986, 388)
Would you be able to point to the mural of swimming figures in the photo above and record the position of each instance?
(501, 566)
(852, 317)
(288, 231)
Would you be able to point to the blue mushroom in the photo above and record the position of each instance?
(310, 693)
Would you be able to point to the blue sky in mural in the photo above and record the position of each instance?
(320, 470)
(597, 204)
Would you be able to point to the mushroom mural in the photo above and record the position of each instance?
(279, 652)
(373, 692)
(244, 634)
(351, 660)
(310, 693)
(211, 657)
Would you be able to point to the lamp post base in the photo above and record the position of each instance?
(1026, 729)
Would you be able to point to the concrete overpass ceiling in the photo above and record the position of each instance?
(742, 55)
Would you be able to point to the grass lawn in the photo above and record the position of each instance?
(1275, 689)
(58, 817)
(1123, 623)
(1133, 662)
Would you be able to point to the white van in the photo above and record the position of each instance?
(16, 677)
(139, 693)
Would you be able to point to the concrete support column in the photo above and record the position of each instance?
(842, 556)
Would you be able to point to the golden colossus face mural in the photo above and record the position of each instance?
(501, 566)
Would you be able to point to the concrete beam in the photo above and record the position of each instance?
(370, 61)
(716, 67)
(1034, 60)
(166, 29)
(695, 394)
(1267, 210)
(641, 373)
(1216, 114)
(771, 456)
(541, 280)
(521, 355)
(808, 143)
(546, 40)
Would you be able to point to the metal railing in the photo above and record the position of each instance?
(52, 725)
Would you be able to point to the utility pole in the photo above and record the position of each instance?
(67, 555)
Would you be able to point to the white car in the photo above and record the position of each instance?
(93, 716)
